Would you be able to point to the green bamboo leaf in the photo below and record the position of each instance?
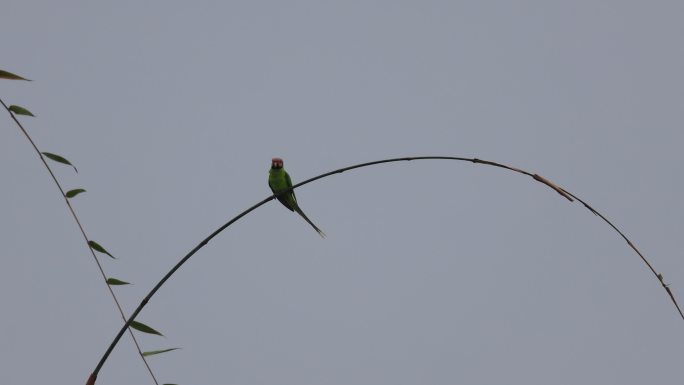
(153, 352)
(139, 326)
(59, 159)
(74, 192)
(96, 246)
(19, 110)
(114, 281)
(11, 76)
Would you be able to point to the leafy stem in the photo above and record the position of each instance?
(66, 197)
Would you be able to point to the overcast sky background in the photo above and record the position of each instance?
(433, 272)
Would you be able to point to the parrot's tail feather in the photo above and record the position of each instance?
(300, 212)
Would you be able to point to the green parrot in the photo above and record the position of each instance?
(279, 180)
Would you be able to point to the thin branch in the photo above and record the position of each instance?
(564, 193)
(85, 237)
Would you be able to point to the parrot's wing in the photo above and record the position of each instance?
(289, 184)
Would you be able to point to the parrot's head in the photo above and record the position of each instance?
(276, 163)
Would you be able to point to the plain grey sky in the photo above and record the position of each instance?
(432, 272)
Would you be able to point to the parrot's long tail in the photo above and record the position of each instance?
(300, 212)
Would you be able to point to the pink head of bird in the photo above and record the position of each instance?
(276, 163)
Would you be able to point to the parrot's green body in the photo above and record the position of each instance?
(279, 180)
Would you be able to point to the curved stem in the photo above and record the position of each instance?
(564, 193)
(85, 237)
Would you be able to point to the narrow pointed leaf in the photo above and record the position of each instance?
(96, 246)
(139, 326)
(11, 76)
(19, 110)
(114, 281)
(74, 192)
(59, 159)
(153, 352)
